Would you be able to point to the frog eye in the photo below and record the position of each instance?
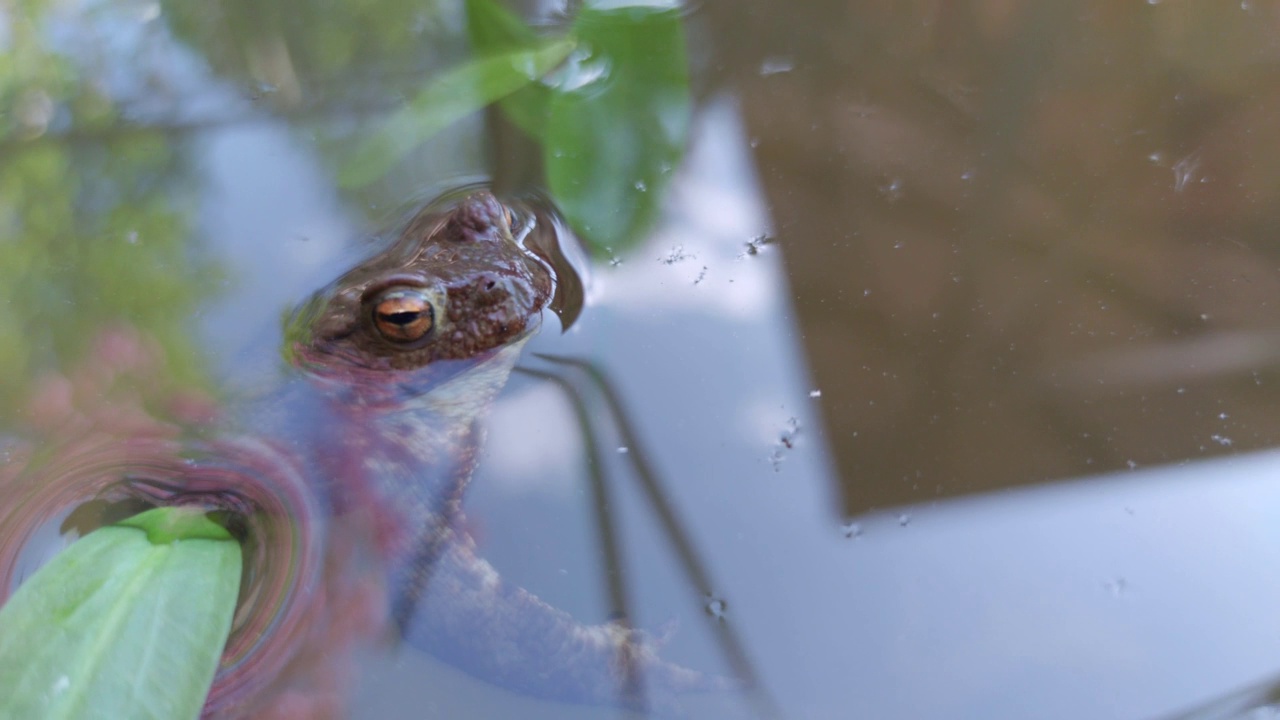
(403, 315)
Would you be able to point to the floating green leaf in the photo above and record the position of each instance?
(128, 622)
(445, 100)
(618, 125)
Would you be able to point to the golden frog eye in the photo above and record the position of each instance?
(403, 315)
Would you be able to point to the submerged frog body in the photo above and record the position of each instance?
(407, 352)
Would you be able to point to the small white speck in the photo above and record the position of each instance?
(815, 393)
(61, 684)
(892, 189)
(776, 65)
(1186, 170)
(624, 450)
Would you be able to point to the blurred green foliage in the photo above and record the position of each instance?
(617, 123)
(604, 94)
(94, 219)
(445, 100)
(612, 122)
(313, 52)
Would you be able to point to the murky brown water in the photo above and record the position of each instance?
(914, 252)
(1025, 241)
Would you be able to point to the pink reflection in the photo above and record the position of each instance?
(109, 430)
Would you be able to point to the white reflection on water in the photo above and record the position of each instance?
(715, 209)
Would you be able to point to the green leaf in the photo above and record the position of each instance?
(494, 29)
(167, 525)
(445, 100)
(618, 126)
(128, 622)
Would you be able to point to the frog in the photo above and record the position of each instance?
(402, 356)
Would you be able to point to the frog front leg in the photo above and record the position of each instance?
(466, 615)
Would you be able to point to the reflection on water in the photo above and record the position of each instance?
(1046, 223)
(105, 452)
(1011, 242)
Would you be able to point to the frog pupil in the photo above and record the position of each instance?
(401, 318)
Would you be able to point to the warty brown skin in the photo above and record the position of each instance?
(485, 288)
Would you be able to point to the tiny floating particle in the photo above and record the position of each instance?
(756, 244)
(676, 255)
(716, 607)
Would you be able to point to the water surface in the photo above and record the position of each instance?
(914, 253)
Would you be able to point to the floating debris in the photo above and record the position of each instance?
(786, 441)
(716, 607)
(756, 244)
(676, 255)
(790, 433)
(1116, 586)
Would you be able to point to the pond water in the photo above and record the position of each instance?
(892, 381)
